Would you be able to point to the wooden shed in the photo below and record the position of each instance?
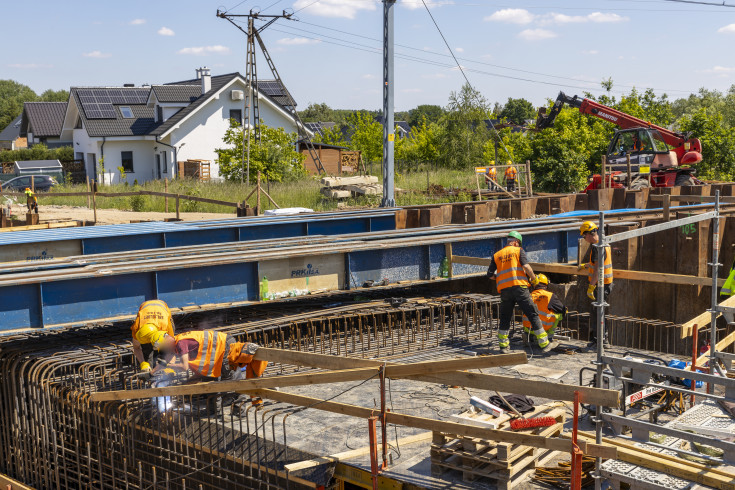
(335, 159)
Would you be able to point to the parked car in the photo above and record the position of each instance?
(42, 183)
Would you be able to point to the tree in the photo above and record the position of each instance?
(317, 112)
(421, 146)
(718, 143)
(12, 96)
(430, 113)
(274, 155)
(516, 111)
(464, 131)
(54, 96)
(367, 136)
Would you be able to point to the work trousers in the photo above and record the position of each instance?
(593, 314)
(511, 185)
(518, 295)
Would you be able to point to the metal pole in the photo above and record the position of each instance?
(249, 96)
(600, 305)
(715, 272)
(388, 93)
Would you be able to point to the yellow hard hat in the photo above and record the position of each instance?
(157, 339)
(144, 366)
(145, 332)
(542, 279)
(587, 226)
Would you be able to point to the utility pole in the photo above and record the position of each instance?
(389, 136)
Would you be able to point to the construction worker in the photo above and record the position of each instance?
(550, 308)
(728, 289)
(511, 173)
(588, 230)
(491, 175)
(153, 316)
(208, 354)
(512, 273)
(31, 201)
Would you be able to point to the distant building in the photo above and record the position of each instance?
(10, 138)
(147, 130)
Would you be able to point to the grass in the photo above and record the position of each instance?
(302, 193)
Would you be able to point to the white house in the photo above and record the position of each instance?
(146, 130)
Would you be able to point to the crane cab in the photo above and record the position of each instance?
(646, 147)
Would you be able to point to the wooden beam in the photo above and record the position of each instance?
(669, 465)
(723, 199)
(574, 270)
(354, 453)
(463, 259)
(338, 376)
(8, 483)
(506, 384)
(705, 318)
(721, 345)
(436, 425)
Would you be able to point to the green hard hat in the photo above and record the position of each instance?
(516, 235)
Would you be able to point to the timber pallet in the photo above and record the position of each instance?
(506, 464)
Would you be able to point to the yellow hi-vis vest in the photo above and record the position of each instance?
(509, 270)
(211, 353)
(607, 267)
(728, 289)
(541, 298)
(156, 312)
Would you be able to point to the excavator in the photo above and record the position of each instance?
(659, 157)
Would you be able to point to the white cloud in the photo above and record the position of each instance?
(202, 50)
(457, 68)
(417, 4)
(29, 66)
(368, 76)
(591, 52)
(722, 71)
(346, 9)
(411, 90)
(459, 50)
(596, 17)
(297, 41)
(727, 29)
(536, 34)
(599, 17)
(96, 54)
(137, 22)
(165, 31)
(511, 16)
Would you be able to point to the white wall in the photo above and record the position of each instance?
(143, 160)
(202, 133)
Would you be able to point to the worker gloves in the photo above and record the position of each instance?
(534, 281)
(591, 291)
(251, 348)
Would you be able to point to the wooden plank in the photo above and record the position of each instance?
(11, 484)
(726, 199)
(392, 371)
(574, 270)
(506, 384)
(354, 453)
(721, 345)
(435, 425)
(705, 318)
(670, 465)
(463, 259)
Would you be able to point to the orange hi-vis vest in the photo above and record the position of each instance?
(156, 312)
(492, 173)
(212, 345)
(509, 272)
(541, 298)
(510, 173)
(607, 267)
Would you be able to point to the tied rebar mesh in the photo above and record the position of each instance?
(52, 436)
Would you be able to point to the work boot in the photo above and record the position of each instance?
(591, 346)
(606, 344)
(505, 350)
(548, 347)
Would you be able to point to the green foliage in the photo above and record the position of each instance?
(38, 152)
(274, 155)
(14, 94)
(464, 133)
(367, 136)
(138, 203)
(425, 112)
(421, 146)
(332, 136)
(718, 143)
(516, 111)
(54, 96)
(123, 174)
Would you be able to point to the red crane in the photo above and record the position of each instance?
(669, 155)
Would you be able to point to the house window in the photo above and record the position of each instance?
(127, 161)
(126, 112)
(236, 114)
(159, 113)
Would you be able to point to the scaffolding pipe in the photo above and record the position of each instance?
(715, 273)
(600, 305)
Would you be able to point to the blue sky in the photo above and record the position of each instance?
(530, 48)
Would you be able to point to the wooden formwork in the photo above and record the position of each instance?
(506, 464)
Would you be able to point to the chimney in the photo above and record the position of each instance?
(206, 80)
(199, 73)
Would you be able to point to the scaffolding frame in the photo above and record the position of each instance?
(600, 305)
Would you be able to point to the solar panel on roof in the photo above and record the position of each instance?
(93, 114)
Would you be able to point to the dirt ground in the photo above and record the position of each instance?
(54, 213)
